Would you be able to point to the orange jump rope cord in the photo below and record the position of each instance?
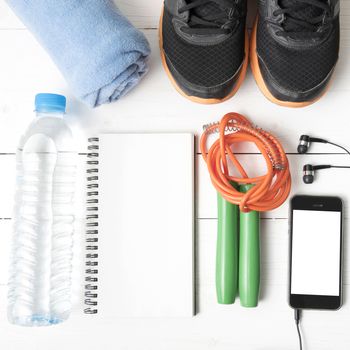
(270, 190)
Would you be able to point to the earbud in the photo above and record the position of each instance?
(305, 142)
(308, 169)
(309, 172)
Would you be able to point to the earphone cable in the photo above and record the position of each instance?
(344, 149)
(297, 313)
(336, 145)
(299, 335)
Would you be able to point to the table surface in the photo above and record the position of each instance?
(154, 105)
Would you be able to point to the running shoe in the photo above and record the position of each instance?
(204, 47)
(294, 49)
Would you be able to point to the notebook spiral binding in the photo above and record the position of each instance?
(91, 262)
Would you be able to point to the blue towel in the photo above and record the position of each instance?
(100, 54)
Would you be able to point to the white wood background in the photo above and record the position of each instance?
(26, 69)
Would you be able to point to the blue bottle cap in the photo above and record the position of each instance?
(50, 103)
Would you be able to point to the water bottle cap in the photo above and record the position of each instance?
(50, 103)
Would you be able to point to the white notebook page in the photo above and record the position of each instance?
(146, 225)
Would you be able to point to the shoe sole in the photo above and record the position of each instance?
(254, 63)
(195, 98)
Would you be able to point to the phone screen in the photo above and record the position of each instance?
(316, 253)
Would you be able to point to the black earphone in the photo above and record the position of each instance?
(305, 141)
(308, 169)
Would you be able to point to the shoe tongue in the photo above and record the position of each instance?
(208, 10)
(304, 12)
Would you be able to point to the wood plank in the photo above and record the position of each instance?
(5, 248)
(265, 327)
(146, 15)
(7, 185)
(26, 69)
(274, 242)
(274, 253)
(150, 106)
(224, 327)
(206, 195)
(142, 15)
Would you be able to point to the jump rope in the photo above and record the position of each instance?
(240, 199)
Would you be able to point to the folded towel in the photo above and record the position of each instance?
(98, 51)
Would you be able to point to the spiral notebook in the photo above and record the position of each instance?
(140, 225)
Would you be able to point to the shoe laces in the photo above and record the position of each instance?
(302, 18)
(211, 16)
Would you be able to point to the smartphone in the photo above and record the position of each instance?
(316, 244)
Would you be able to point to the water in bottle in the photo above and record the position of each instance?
(41, 260)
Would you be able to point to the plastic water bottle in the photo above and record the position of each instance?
(41, 259)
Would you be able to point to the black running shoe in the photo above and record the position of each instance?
(294, 49)
(204, 47)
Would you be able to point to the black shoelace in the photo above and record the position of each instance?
(302, 17)
(220, 21)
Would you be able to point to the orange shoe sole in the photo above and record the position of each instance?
(254, 63)
(199, 99)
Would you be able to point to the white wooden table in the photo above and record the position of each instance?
(26, 69)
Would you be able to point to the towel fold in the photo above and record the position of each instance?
(100, 54)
